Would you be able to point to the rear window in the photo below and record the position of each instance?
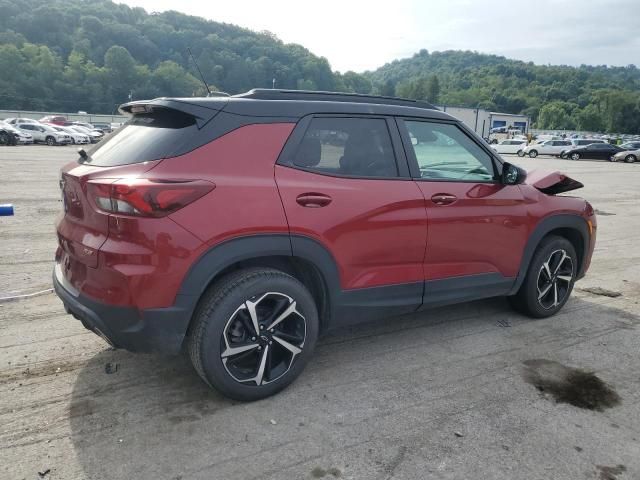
(147, 136)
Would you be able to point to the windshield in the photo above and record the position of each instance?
(148, 136)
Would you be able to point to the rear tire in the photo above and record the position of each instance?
(533, 154)
(520, 153)
(237, 358)
(5, 139)
(630, 158)
(549, 281)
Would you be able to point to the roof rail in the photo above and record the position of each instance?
(320, 96)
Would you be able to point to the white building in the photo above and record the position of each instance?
(482, 121)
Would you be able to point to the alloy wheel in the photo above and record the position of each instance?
(554, 279)
(262, 338)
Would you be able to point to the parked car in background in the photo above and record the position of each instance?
(629, 156)
(103, 127)
(634, 145)
(581, 142)
(54, 119)
(549, 147)
(94, 135)
(76, 137)
(20, 136)
(88, 126)
(7, 135)
(45, 134)
(595, 151)
(510, 146)
(18, 121)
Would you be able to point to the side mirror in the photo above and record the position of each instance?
(512, 175)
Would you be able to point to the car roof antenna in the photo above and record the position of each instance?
(200, 72)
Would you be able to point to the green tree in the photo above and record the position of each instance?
(433, 89)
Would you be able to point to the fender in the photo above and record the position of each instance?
(225, 254)
(546, 225)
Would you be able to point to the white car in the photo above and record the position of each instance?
(45, 134)
(550, 147)
(76, 137)
(629, 156)
(94, 135)
(510, 146)
(18, 121)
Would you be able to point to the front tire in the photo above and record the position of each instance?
(575, 156)
(533, 154)
(51, 141)
(549, 280)
(253, 333)
(520, 153)
(630, 158)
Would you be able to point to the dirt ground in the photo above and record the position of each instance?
(472, 391)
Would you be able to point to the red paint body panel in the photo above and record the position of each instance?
(245, 200)
(375, 229)
(132, 261)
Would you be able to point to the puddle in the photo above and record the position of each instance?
(319, 472)
(580, 388)
(610, 473)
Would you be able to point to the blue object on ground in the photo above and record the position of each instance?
(6, 210)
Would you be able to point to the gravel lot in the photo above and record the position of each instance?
(444, 394)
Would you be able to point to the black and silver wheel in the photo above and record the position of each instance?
(575, 156)
(5, 138)
(253, 333)
(51, 141)
(549, 280)
(533, 153)
(520, 153)
(630, 158)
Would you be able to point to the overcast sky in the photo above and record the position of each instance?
(360, 35)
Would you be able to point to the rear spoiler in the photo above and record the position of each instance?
(201, 113)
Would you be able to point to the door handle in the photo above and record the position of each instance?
(313, 200)
(443, 199)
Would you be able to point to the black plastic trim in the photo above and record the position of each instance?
(544, 227)
(466, 288)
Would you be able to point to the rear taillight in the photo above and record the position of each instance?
(147, 198)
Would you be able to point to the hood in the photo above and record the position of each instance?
(552, 182)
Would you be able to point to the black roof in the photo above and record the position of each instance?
(321, 96)
(292, 104)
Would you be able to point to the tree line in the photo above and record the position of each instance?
(68, 55)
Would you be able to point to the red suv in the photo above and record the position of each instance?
(239, 228)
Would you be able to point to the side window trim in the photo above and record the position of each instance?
(413, 161)
(288, 154)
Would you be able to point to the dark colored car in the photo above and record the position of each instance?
(8, 136)
(240, 228)
(602, 151)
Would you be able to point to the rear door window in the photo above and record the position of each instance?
(357, 147)
(147, 136)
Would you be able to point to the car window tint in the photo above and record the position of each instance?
(348, 146)
(444, 152)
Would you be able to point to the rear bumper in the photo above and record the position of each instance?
(159, 330)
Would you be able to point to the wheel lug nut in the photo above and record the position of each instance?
(253, 339)
(272, 330)
(261, 327)
(259, 347)
(270, 342)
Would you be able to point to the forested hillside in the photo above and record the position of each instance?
(596, 98)
(90, 55)
(68, 55)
